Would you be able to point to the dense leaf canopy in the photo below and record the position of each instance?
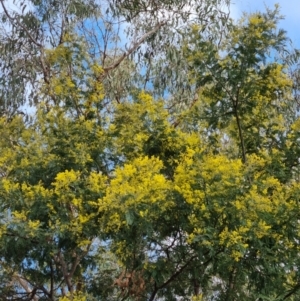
(158, 159)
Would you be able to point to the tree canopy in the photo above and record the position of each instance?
(159, 159)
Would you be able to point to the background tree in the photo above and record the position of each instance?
(113, 33)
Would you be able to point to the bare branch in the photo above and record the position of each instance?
(26, 286)
(64, 268)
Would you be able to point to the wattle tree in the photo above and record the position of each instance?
(161, 166)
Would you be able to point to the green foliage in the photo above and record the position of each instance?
(111, 31)
(122, 195)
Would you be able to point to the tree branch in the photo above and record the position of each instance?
(237, 118)
(65, 271)
(134, 46)
(26, 287)
(177, 273)
(12, 19)
(196, 97)
(291, 292)
(51, 280)
(231, 284)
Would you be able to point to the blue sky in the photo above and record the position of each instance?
(290, 9)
